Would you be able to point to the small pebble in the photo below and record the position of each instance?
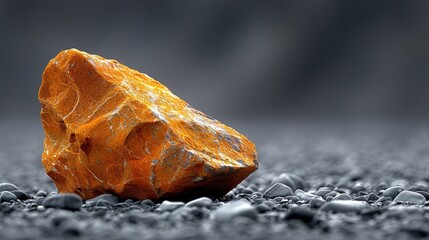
(278, 190)
(69, 201)
(147, 202)
(344, 206)
(20, 194)
(373, 197)
(392, 192)
(410, 197)
(108, 198)
(7, 196)
(41, 194)
(316, 202)
(170, 206)
(342, 196)
(200, 202)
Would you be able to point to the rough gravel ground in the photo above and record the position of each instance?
(350, 176)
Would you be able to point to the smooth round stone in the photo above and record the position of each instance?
(392, 192)
(304, 195)
(170, 206)
(147, 202)
(232, 210)
(69, 201)
(7, 196)
(200, 202)
(7, 187)
(300, 213)
(316, 202)
(41, 194)
(410, 197)
(20, 194)
(278, 190)
(285, 179)
(344, 206)
(342, 196)
(108, 198)
(372, 197)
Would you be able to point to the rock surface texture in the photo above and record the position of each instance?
(111, 129)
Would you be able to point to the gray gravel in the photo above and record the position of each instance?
(313, 183)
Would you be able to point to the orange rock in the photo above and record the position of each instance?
(111, 129)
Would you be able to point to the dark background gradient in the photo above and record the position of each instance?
(235, 59)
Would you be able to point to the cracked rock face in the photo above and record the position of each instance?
(111, 129)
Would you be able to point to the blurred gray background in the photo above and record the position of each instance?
(235, 59)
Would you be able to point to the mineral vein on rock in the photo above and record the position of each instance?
(111, 129)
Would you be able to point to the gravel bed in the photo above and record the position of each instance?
(313, 183)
